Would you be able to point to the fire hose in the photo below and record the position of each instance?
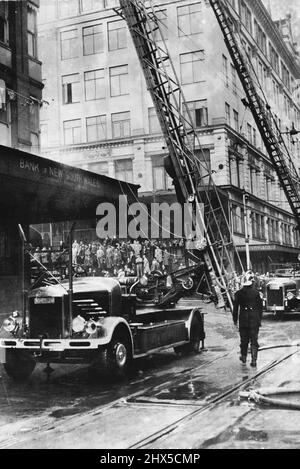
(259, 396)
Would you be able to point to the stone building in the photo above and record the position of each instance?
(100, 115)
(20, 75)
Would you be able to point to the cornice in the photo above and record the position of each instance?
(274, 34)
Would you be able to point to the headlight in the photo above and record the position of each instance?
(78, 324)
(10, 324)
(91, 326)
(290, 296)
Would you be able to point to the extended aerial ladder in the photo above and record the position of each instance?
(191, 175)
(265, 121)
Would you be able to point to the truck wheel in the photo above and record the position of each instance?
(19, 364)
(100, 364)
(119, 354)
(196, 335)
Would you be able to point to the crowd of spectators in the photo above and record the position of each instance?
(113, 257)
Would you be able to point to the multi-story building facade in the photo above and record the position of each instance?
(20, 75)
(20, 101)
(101, 117)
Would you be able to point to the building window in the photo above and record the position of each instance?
(249, 133)
(154, 125)
(120, 124)
(72, 131)
(189, 19)
(271, 229)
(161, 180)
(2, 29)
(255, 181)
(234, 80)
(227, 114)
(94, 85)
(67, 8)
(124, 170)
(285, 76)
(32, 32)
(118, 77)
(234, 216)
(243, 221)
(234, 171)
(92, 39)
(68, 41)
(236, 120)
(246, 17)
(117, 37)
(225, 70)
(203, 156)
(161, 15)
(274, 59)
(90, 5)
(269, 189)
(191, 67)
(254, 137)
(198, 112)
(96, 128)
(4, 33)
(34, 140)
(4, 112)
(260, 37)
(71, 88)
(34, 117)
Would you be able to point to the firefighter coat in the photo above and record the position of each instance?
(247, 308)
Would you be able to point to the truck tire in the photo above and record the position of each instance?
(196, 335)
(119, 354)
(19, 364)
(100, 364)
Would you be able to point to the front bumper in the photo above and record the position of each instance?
(51, 345)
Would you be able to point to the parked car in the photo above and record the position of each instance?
(282, 295)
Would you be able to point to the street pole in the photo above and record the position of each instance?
(70, 268)
(248, 262)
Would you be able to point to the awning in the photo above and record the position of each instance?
(35, 189)
(261, 248)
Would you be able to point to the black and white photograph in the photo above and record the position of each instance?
(149, 228)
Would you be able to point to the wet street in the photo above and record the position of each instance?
(166, 402)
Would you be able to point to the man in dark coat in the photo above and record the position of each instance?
(247, 310)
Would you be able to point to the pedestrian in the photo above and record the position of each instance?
(100, 256)
(44, 256)
(247, 312)
(139, 266)
(146, 265)
(166, 260)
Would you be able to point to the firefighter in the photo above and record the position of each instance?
(247, 310)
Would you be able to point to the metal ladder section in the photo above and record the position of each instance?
(281, 160)
(191, 175)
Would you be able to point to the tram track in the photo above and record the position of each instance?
(136, 399)
(209, 406)
(43, 424)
